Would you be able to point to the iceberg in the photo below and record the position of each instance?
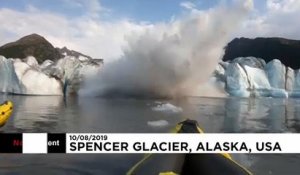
(158, 123)
(167, 108)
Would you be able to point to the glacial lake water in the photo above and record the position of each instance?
(52, 114)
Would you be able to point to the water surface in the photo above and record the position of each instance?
(52, 114)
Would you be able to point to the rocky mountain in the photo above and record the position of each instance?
(31, 45)
(38, 47)
(285, 50)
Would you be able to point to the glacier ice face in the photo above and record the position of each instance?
(36, 82)
(32, 62)
(9, 81)
(46, 64)
(219, 72)
(242, 77)
(257, 78)
(72, 71)
(250, 76)
(237, 81)
(278, 93)
(49, 78)
(296, 84)
(250, 61)
(290, 79)
(276, 74)
(69, 65)
(83, 58)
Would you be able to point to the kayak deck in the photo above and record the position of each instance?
(188, 164)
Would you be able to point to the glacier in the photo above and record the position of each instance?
(241, 77)
(27, 77)
(253, 77)
(9, 81)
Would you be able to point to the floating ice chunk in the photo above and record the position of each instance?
(167, 107)
(158, 123)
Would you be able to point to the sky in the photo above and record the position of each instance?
(99, 28)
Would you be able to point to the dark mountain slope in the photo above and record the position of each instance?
(31, 45)
(286, 50)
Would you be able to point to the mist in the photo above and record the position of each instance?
(170, 59)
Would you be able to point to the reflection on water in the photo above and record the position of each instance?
(36, 112)
(247, 115)
(53, 114)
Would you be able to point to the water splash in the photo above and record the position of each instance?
(170, 59)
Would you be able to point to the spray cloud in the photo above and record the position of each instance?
(170, 59)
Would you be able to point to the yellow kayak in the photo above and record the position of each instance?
(6, 109)
(188, 164)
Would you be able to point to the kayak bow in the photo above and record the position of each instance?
(188, 164)
(6, 109)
